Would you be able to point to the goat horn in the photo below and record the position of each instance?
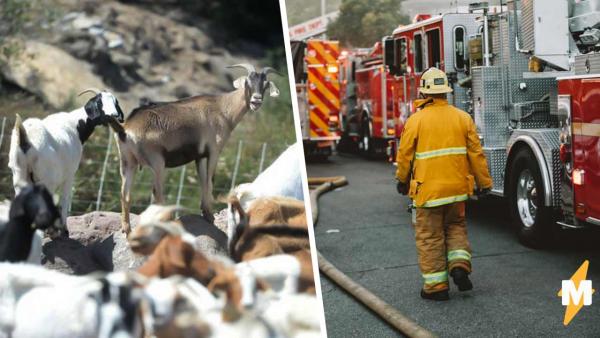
(250, 68)
(268, 70)
(96, 91)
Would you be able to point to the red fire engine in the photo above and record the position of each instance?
(529, 74)
(438, 41)
(318, 90)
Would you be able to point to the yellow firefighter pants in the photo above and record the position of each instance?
(442, 244)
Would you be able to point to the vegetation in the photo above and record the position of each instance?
(299, 11)
(16, 17)
(361, 23)
(272, 125)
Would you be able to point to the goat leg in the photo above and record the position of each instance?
(212, 167)
(127, 174)
(65, 201)
(205, 203)
(158, 168)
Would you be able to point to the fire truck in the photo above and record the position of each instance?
(318, 90)
(373, 120)
(350, 62)
(529, 74)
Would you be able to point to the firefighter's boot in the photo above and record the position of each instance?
(437, 296)
(460, 277)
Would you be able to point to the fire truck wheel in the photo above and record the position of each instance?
(365, 144)
(532, 220)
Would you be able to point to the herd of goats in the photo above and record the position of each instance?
(260, 284)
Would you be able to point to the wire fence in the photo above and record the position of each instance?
(98, 182)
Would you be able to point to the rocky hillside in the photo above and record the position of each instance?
(138, 53)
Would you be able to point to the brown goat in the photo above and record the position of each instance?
(267, 211)
(173, 256)
(251, 243)
(307, 277)
(171, 134)
(272, 225)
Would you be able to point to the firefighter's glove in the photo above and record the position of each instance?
(483, 193)
(402, 188)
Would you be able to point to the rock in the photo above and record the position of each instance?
(182, 91)
(113, 40)
(50, 73)
(82, 22)
(95, 243)
(221, 220)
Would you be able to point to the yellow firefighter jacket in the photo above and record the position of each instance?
(441, 146)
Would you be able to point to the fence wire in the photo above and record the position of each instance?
(98, 182)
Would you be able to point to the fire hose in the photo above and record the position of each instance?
(384, 310)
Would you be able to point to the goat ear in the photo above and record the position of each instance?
(273, 90)
(239, 82)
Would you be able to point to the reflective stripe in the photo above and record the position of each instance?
(454, 255)
(445, 200)
(441, 152)
(436, 277)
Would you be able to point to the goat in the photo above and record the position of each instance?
(171, 301)
(265, 211)
(261, 243)
(173, 256)
(240, 282)
(261, 236)
(295, 315)
(181, 307)
(281, 178)
(170, 134)
(49, 151)
(31, 211)
(36, 302)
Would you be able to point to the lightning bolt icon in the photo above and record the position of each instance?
(577, 277)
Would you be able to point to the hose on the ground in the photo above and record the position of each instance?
(384, 310)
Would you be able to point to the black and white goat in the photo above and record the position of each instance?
(37, 302)
(31, 211)
(48, 151)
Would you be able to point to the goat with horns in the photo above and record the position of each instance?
(170, 134)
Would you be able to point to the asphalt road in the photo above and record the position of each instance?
(365, 231)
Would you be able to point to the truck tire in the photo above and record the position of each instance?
(531, 218)
(365, 141)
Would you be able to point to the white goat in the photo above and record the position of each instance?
(48, 151)
(281, 178)
(295, 316)
(36, 302)
(281, 272)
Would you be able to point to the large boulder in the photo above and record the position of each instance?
(49, 73)
(95, 243)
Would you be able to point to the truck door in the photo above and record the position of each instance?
(588, 131)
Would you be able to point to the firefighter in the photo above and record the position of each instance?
(439, 160)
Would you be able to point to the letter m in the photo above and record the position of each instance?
(573, 295)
